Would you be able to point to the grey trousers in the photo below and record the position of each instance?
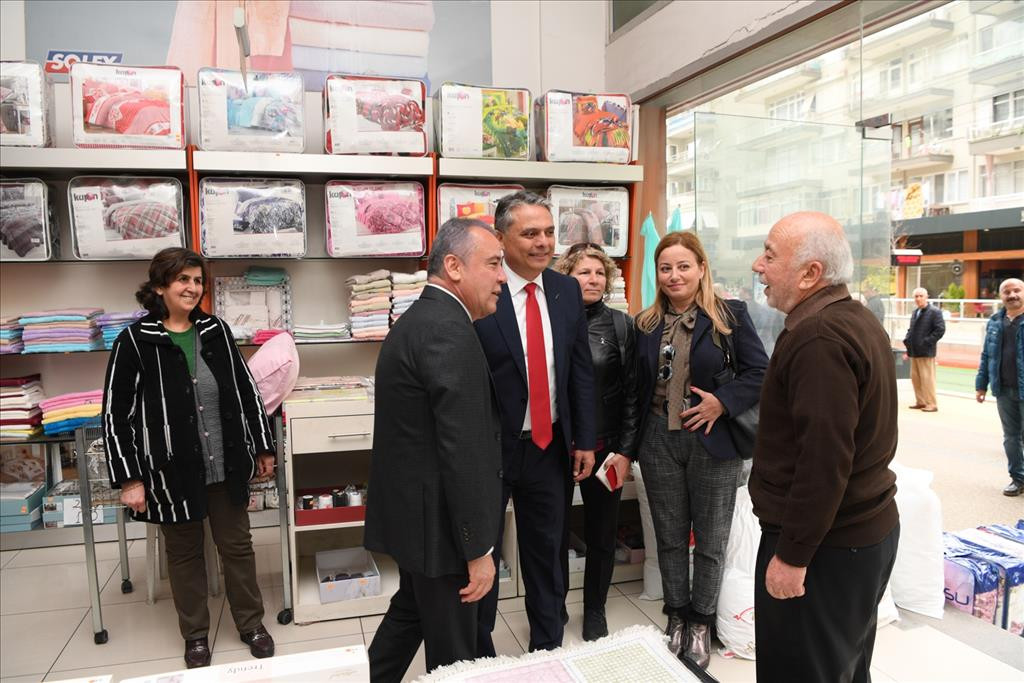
(688, 489)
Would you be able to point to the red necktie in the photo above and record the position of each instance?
(537, 371)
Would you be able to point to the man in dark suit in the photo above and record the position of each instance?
(536, 345)
(923, 335)
(435, 474)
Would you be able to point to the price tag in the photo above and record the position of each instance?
(73, 512)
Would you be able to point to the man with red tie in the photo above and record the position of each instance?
(537, 348)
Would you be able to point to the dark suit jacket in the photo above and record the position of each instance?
(706, 360)
(574, 371)
(435, 474)
(924, 334)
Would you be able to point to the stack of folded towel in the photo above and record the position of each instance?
(370, 304)
(263, 336)
(111, 324)
(262, 275)
(20, 415)
(67, 329)
(68, 412)
(406, 289)
(10, 335)
(618, 297)
(323, 332)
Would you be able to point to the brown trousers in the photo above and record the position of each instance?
(187, 566)
(922, 376)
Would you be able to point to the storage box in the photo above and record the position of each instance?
(583, 127)
(629, 555)
(26, 522)
(61, 511)
(1007, 557)
(347, 561)
(20, 498)
(349, 513)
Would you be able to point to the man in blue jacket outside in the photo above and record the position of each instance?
(1002, 369)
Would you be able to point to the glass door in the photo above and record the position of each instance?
(750, 172)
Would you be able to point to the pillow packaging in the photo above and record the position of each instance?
(591, 214)
(483, 123)
(471, 201)
(127, 106)
(261, 113)
(252, 217)
(374, 116)
(118, 217)
(366, 219)
(27, 232)
(26, 105)
(583, 127)
(248, 307)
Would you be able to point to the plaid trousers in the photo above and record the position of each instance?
(687, 488)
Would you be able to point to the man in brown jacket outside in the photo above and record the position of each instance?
(821, 484)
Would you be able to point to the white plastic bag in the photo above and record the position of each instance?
(652, 571)
(918, 578)
(735, 618)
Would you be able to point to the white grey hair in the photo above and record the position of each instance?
(832, 251)
(454, 237)
(922, 290)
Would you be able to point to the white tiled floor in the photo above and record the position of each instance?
(53, 640)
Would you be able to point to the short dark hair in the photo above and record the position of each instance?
(164, 267)
(508, 204)
(453, 237)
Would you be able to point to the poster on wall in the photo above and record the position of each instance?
(432, 40)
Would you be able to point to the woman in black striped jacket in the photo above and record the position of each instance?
(185, 431)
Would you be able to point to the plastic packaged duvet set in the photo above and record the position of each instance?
(117, 217)
(374, 116)
(252, 217)
(375, 219)
(266, 116)
(26, 232)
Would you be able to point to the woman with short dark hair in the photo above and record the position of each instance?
(185, 430)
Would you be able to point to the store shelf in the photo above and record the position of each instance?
(310, 165)
(569, 172)
(620, 574)
(333, 525)
(308, 608)
(70, 161)
(298, 342)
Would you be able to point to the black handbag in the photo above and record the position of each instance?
(742, 427)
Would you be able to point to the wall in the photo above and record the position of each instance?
(687, 35)
(12, 29)
(548, 44)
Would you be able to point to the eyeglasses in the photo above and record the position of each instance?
(579, 246)
(668, 352)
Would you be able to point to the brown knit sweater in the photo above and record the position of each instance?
(827, 430)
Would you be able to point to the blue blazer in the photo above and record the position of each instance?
(574, 370)
(706, 360)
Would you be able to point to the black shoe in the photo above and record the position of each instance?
(675, 630)
(1015, 488)
(594, 624)
(197, 653)
(697, 645)
(260, 643)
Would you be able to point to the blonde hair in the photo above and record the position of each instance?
(568, 261)
(706, 299)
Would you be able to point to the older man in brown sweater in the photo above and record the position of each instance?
(821, 484)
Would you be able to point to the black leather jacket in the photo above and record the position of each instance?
(615, 383)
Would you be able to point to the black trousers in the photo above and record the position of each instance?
(535, 480)
(429, 611)
(828, 634)
(600, 526)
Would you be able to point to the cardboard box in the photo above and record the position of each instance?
(20, 498)
(347, 561)
(340, 665)
(26, 522)
(62, 511)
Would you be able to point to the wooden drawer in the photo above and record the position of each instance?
(331, 433)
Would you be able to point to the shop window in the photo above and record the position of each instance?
(1001, 239)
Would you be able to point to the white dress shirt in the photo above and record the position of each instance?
(517, 288)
